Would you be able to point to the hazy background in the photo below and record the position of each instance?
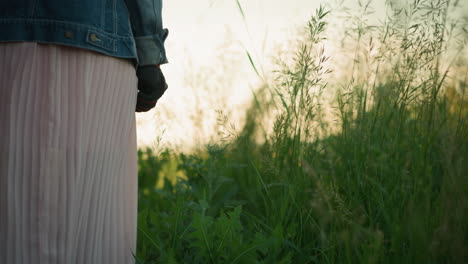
(209, 69)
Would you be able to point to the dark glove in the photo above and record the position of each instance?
(151, 86)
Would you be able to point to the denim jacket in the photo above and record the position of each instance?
(120, 28)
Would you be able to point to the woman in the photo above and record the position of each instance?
(68, 93)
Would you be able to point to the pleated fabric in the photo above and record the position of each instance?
(68, 156)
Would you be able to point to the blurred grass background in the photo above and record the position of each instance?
(368, 165)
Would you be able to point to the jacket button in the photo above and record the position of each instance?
(69, 35)
(93, 37)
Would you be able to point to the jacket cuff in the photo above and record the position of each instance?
(150, 49)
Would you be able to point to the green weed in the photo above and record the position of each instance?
(384, 181)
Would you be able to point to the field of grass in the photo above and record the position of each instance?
(378, 174)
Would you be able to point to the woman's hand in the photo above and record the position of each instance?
(151, 86)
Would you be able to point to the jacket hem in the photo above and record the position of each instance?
(69, 34)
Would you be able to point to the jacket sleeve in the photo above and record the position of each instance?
(148, 31)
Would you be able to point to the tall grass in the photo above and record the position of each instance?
(383, 181)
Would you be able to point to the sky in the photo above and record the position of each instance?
(209, 73)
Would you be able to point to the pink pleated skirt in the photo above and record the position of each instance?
(68, 156)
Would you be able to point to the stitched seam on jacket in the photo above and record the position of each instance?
(57, 22)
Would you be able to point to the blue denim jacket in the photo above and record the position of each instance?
(119, 28)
